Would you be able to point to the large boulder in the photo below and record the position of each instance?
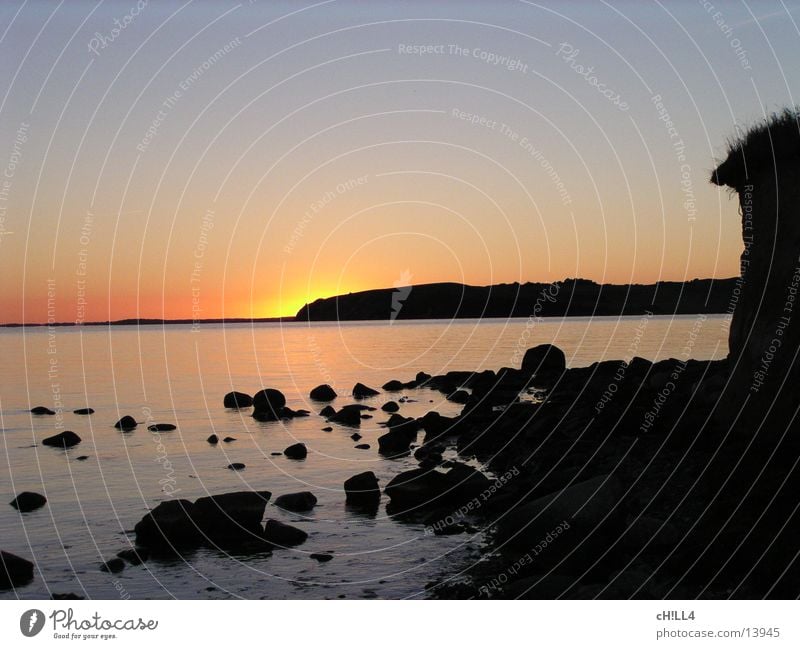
(583, 513)
(237, 400)
(466, 482)
(66, 439)
(323, 393)
(14, 571)
(126, 423)
(544, 360)
(302, 501)
(296, 451)
(417, 488)
(361, 391)
(362, 488)
(168, 527)
(268, 402)
(27, 501)
(283, 535)
(231, 517)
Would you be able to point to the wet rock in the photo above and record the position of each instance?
(283, 535)
(393, 386)
(126, 423)
(361, 391)
(459, 396)
(544, 359)
(397, 441)
(323, 393)
(66, 439)
(327, 411)
(83, 411)
(436, 426)
(113, 566)
(355, 437)
(274, 453)
(288, 413)
(237, 400)
(322, 557)
(268, 403)
(347, 416)
(228, 440)
(362, 447)
(422, 378)
(417, 488)
(390, 406)
(236, 466)
(296, 451)
(465, 482)
(213, 439)
(302, 501)
(168, 527)
(14, 571)
(161, 428)
(232, 518)
(327, 429)
(81, 458)
(28, 501)
(362, 488)
(134, 556)
(42, 410)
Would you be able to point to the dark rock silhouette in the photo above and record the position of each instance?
(361, 391)
(362, 488)
(459, 396)
(302, 501)
(28, 501)
(66, 439)
(228, 440)
(390, 406)
(236, 466)
(83, 411)
(42, 410)
(161, 428)
(323, 393)
(283, 535)
(14, 571)
(237, 400)
(296, 451)
(327, 411)
(362, 447)
(134, 556)
(347, 416)
(168, 527)
(113, 566)
(126, 423)
(393, 386)
(322, 557)
(212, 439)
(231, 519)
(267, 404)
(544, 359)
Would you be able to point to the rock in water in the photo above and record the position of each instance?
(302, 501)
(113, 566)
(283, 535)
(361, 391)
(126, 423)
(168, 527)
(14, 571)
(161, 428)
(296, 451)
(83, 411)
(228, 440)
(417, 488)
(362, 488)
(393, 386)
(66, 439)
(347, 416)
(237, 400)
(27, 501)
(544, 359)
(268, 403)
(134, 556)
(236, 466)
(232, 518)
(459, 396)
(323, 393)
(213, 439)
(362, 447)
(322, 557)
(390, 406)
(42, 410)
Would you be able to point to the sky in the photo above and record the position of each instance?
(208, 159)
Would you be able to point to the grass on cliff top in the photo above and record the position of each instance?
(763, 146)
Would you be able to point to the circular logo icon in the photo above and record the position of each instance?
(31, 622)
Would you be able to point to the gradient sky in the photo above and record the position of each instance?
(299, 150)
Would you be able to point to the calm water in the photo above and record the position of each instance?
(179, 376)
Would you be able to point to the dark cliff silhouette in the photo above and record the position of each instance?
(571, 297)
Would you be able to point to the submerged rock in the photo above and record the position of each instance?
(323, 393)
(361, 391)
(322, 557)
(126, 423)
(66, 439)
(161, 428)
(237, 400)
(14, 571)
(417, 488)
(362, 447)
(228, 440)
(134, 556)
(28, 501)
(236, 466)
(296, 451)
(283, 535)
(83, 411)
(302, 501)
(113, 566)
(42, 410)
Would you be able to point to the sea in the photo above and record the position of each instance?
(179, 374)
